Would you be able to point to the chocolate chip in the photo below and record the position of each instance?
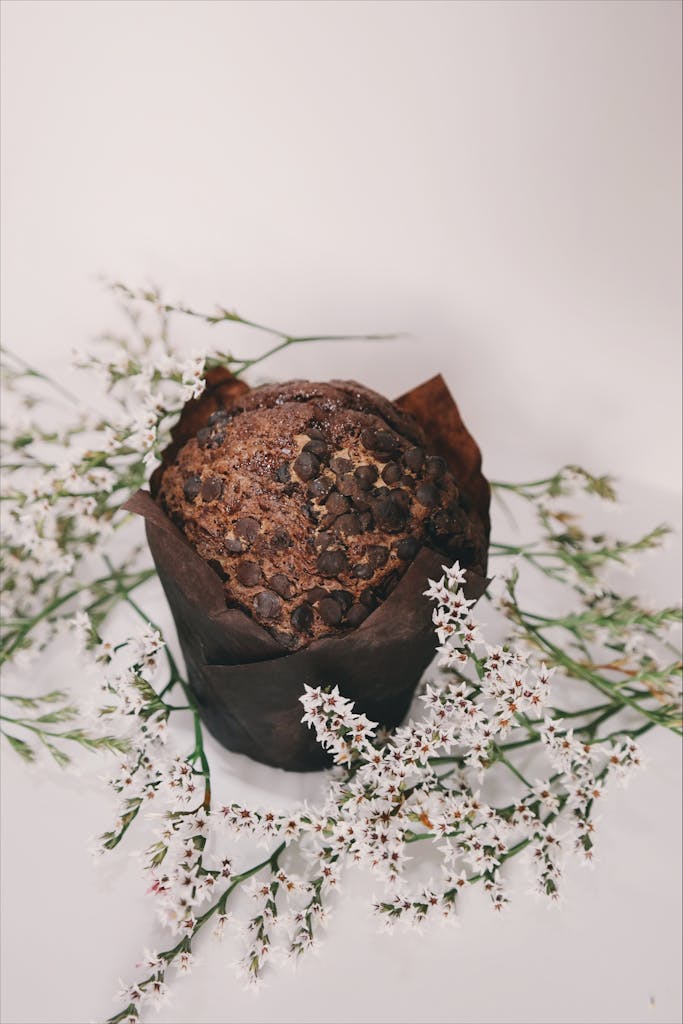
(361, 501)
(315, 434)
(306, 466)
(332, 563)
(427, 495)
(282, 474)
(389, 515)
(316, 594)
(340, 466)
(357, 614)
(267, 605)
(336, 504)
(347, 484)
(219, 416)
(368, 597)
(329, 611)
(442, 522)
(377, 555)
(343, 598)
(317, 448)
(233, 545)
(348, 524)
(203, 436)
(379, 440)
(401, 498)
(286, 639)
(249, 574)
(362, 571)
(435, 467)
(247, 528)
(366, 476)
(212, 488)
(392, 473)
(414, 459)
(323, 540)
(281, 585)
(365, 520)
(302, 618)
(320, 488)
(192, 487)
(407, 548)
(281, 540)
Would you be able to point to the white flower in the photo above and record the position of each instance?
(102, 478)
(151, 961)
(437, 591)
(83, 629)
(158, 993)
(222, 919)
(158, 726)
(185, 962)
(129, 993)
(549, 800)
(454, 574)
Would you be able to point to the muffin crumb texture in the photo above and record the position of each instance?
(310, 501)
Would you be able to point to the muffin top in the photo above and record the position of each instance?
(311, 500)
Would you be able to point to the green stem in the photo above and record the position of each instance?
(246, 364)
(198, 751)
(500, 756)
(500, 485)
(225, 317)
(596, 681)
(57, 602)
(169, 955)
(30, 371)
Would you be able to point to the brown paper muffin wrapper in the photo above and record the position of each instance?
(246, 684)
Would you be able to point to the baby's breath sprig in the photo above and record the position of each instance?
(607, 639)
(68, 467)
(434, 780)
(238, 365)
(27, 718)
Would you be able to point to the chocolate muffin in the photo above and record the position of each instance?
(311, 500)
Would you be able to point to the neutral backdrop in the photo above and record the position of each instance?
(501, 182)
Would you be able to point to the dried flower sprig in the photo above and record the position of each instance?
(609, 640)
(507, 754)
(432, 780)
(68, 466)
(238, 365)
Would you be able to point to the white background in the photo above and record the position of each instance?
(499, 180)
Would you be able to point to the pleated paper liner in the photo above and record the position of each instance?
(247, 685)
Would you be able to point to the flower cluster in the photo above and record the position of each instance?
(64, 485)
(137, 715)
(432, 780)
(70, 463)
(507, 752)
